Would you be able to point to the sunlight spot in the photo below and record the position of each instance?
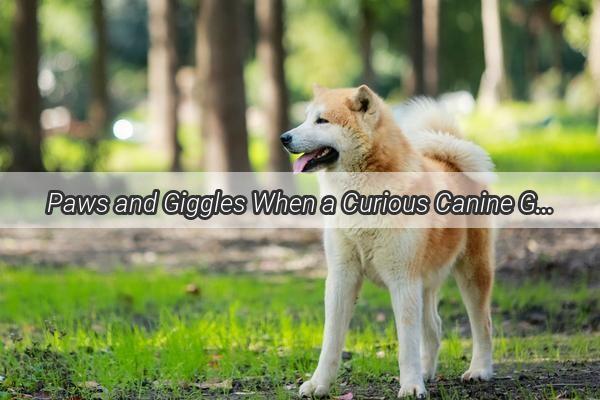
(123, 129)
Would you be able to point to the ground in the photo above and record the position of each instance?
(239, 315)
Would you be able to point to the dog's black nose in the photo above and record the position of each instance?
(286, 138)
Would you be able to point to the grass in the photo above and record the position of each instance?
(132, 333)
(537, 137)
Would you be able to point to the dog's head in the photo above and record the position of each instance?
(338, 130)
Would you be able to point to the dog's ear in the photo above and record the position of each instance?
(364, 101)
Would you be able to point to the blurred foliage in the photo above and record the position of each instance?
(323, 54)
(322, 42)
(6, 13)
(574, 16)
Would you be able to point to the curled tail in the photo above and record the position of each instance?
(435, 133)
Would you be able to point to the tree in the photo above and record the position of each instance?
(99, 103)
(431, 22)
(222, 97)
(162, 69)
(366, 48)
(271, 54)
(492, 81)
(594, 52)
(416, 49)
(27, 138)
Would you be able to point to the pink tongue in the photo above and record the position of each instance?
(301, 162)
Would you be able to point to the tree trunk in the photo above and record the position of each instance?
(416, 49)
(492, 81)
(162, 69)
(222, 98)
(366, 50)
(27, 137)
(271, 54)
(99, 103)
(431, 17)
(594, 52)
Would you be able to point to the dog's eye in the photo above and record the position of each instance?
(321, 121)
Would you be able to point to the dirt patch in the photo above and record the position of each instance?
(548, 380)
(565, 254)
(531, 381)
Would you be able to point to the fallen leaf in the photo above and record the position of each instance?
(92, 385)
(192, 288)
(227, 384)
(215, 360)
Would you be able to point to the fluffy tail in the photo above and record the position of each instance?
(435, 133)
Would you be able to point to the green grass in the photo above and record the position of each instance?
(537, 137)
(147, 330)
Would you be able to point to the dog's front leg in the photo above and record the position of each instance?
(407, 302)
(341, 290)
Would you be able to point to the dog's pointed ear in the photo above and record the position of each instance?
(363, 99)
(317, 89)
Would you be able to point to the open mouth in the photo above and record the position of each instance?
(312, 160)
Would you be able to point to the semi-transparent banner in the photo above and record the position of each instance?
(285, 200)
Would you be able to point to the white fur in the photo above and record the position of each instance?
(353, 254)
(425, 114)
(435, 133)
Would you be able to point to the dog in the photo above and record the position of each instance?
(353, 130)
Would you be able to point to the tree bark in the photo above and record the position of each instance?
(492, 81)
(27, 137)
(271, 54)
(99, 103)
(222, 97)
(162, 69)
(416, 49)
(431, 9)
(594, 52)
(366, 49)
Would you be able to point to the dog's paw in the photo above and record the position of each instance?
(412, 389)
(313, 389)
(477, 374)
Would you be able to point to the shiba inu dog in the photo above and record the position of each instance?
(352, 130)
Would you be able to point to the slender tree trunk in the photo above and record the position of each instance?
(366, 49)
(594, 52)
(222, 98)
(490, 91)
(416, 48)
(98, 110)
(431, 10)
(27, 137)
(269, 16)
(99, 103)
(531, 47)
(162, 70)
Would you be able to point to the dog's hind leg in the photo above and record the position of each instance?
(475, 275)
(431, 334)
